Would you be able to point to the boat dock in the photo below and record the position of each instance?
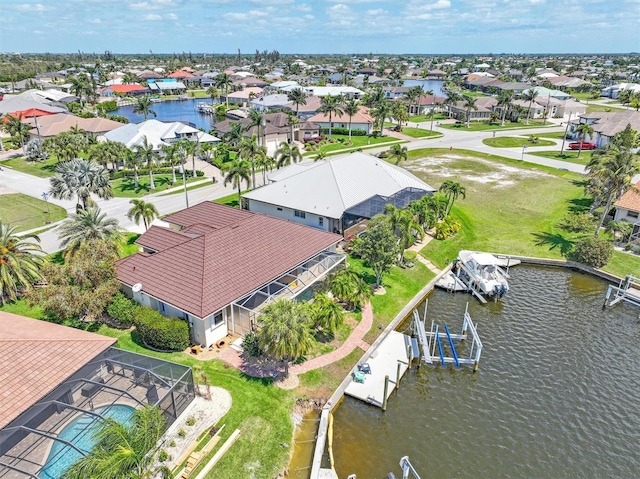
(628, 290)
(386, 365)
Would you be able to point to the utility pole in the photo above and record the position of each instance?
(566, 130)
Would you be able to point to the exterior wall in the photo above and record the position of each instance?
(310, 219)
(623, 214)
(345, 124)
(212, 332)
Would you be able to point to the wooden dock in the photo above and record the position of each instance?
(391, 358)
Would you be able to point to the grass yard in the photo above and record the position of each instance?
(26, 213)
(230, 200)
(514, 142)
(568, 155)
(189, 188)
(592, 107)
(125, 187)
(506, 210)
(558, 135)
(420, 133)
(423, 118)
(42, 169)
(484, 126)
(260, 410)
(343, 142)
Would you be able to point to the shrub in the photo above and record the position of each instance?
(409, 256)
(86, 114)
(595, 252)
(118, 118)
(107, 106)
(578, 222)
(182, 433)
(343, 131)
(250, 344)
(160, 332)
(190, 421)
(448, 227)
(163, 455)
(114, 175)
(121, 309)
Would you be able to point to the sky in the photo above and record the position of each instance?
(320, 26)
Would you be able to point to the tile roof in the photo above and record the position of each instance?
(237, 253)
(124, 88)
(51, 125)
(37, 356)
(362, 116)
(631, 199)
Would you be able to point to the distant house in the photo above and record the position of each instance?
(277, 129)
(242, 97)
(271, 102)
(307, 131)
(51, 125)
(484, 105)
(167, 85)
(158, 134)
(133, 89)
(217, 267)
(334, 90)
(606, 124)
(337, 193)
(362, 120)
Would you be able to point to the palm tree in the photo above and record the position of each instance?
(143, 107)
(147, 156)
(284, 330)
(452, 191)
(170, 156)
(469, 104)
(80, 86)
(400, 113)
(504, 100)
(348, 286)
(14, 126)
(257, 119)
(326, 314)
(584, 130)
(529, 95)
(249, 149)
(20, 262)
(235, 134)
(624, 228)
(381, 112)
(125, 450)
(80, 178)
(287, 154)
(320, 155)
(224, 82)
(400, 153)
(330, 105)
(351, 108)
(238, 171)
(614, 170)
(212, 91)
(87, 225)
(141, 210)
(432, 111)
(297, 97)
(453, 98)
(265, 163)
(133, 161)
(413, 95)
(405, 226)
(129, 78)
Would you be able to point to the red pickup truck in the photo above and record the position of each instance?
(586, 145)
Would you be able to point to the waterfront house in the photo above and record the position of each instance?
(362, 120)
(158, 134)
(627, 208)
(47, 126)
(217, 267)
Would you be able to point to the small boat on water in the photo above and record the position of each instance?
(483, 272)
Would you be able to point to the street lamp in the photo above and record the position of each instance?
(524, 149)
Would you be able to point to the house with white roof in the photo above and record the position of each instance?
(335, 194)
(158, 134)
(334, 90)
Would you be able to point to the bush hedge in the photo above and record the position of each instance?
(344, 131)
(114, 175)
(448, 227)
(122, 309)
(409, 256)
(592, 251)
(160, 332)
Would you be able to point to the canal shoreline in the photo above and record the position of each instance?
(338, 395)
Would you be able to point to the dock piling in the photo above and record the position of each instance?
(398, 375)
(384, 396)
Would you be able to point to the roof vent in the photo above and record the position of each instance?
(136, 288)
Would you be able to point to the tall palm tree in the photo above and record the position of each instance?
(87, 225)
(287, 154)
(235, 134)
(212, 91)
(469, 104)
(453, 98)
(381, 112)
(238, 171)
(413, 96)
(351, 109)
(432, 112)
(452, 191)
(148, 157)
(14, 126)
(257, 119)
(400, 113)
(224, 82)
(129, 78)
(326, 314)
(80, 178)
(398, 152)
(249, 149)
(504, 101)
(584, 130)
(142, 107)
(405, 226)
(265, 162)
(125, 450)
(614, 170)
(330, 105)
(133, 161)
(284, 330)
(170, 157)
(297, 97)
(348, 287)
(141, 210)
(20, 262)
(529, 95)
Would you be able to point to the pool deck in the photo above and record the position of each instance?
(383, 362)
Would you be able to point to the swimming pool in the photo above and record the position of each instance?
(79, 432)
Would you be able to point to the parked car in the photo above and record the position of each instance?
(586, 145)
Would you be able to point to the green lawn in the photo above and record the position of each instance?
(514, 142)
(42, 169)
(516, 212)
(189, 188)
(558, 135)
(568, 155)
(230, 200)
(125, 187)
(260, 410)
(420, 133)
(484, 126)
(423, 118)
(26, 213)
(591, 107)
(342, 142)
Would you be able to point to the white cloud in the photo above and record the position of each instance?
(95, 21)
(171, 16)
(152, 17)
(31, 7)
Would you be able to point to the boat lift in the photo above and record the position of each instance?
(628, 290)
(433, 339)
(407, 468)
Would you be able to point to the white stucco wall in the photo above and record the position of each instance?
(310, 219)
(626, 215)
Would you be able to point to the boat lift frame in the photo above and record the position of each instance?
(431, 340)
(628, 290)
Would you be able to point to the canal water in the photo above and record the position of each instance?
(556, 396)
(434, 85)
(173, 111)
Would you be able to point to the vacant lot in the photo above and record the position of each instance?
(26, 213)
(514, 142)
(509, 207)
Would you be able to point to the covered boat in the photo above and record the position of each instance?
(482, 272)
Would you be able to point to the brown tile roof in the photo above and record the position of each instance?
(159, 239)
(362, 116)
(37, 356)
(631, 199)
(52, 125)
(244, 251)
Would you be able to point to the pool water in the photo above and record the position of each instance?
(79, 432)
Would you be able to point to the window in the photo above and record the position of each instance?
(217, 320)
(632, 214)
(299, 214)
(279, 209)
(320, 221)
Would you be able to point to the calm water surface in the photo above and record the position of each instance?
(173, 111)
(557, 394)
(435, 85)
